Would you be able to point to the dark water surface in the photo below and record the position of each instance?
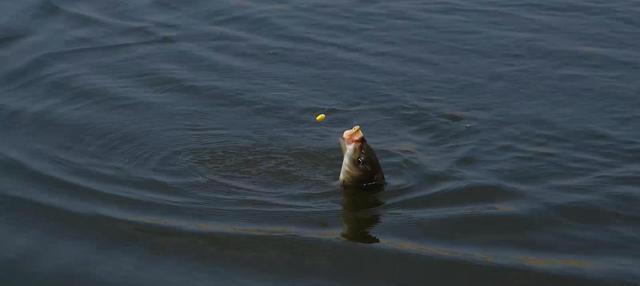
(173, 142)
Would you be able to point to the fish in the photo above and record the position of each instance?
(360, 165)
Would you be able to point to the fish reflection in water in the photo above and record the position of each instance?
(360, 214)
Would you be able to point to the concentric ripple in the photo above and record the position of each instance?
(165, 143)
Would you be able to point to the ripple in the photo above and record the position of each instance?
(153, 135)
(450, 196)
(259, 163)
(188, 238)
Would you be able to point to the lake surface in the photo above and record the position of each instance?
(174, 143)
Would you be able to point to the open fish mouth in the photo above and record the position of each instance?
(353, 135)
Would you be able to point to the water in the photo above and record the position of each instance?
(174, 143)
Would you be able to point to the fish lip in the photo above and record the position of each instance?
(353, 135)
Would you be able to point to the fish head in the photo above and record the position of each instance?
(360, 166)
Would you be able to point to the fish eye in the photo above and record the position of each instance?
(360, 161)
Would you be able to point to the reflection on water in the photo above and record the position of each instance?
(360, 214)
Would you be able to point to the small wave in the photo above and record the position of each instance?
(461, 195)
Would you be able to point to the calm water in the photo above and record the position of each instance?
(173, 142)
